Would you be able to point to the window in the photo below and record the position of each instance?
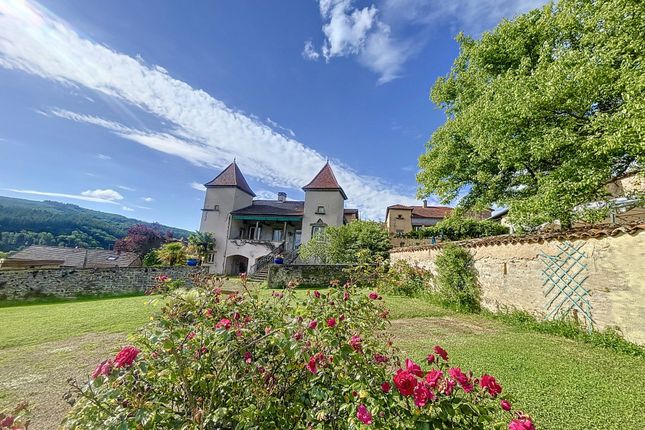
(399, 216)
(320, 210)
(417, 227)
(216, 208)
(399, 232)
(277, 234)
(210, 258)
(317, 229)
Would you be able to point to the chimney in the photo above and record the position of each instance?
(282, 197)
(425, 203)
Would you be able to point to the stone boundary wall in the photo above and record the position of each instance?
(73, 282)
(510, 273)
(307, 275)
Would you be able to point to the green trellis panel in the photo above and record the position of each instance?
(564, 275)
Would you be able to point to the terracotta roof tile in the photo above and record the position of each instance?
(231, 177)
(424, 211)
(325, 180)
(571, 234)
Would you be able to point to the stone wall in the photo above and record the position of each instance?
(307, 275)
(71, 282)
(510, 273)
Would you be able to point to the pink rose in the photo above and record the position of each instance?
(430, 358)
(248, 357)
(331, 322)
(364, 415)
(374, 295)
(346, 296)
(433, 377)
(103, 369)
(312, 365)
(441, 352)
(317, 294)
(7, 421)
(386, 387)
(422, 396)
(379, 358)
(449, 386)
(413, 368)
(505, 404)
(521, 423)
(313, 324)
(126, 356)
(461, 378)
(356, 343)
(224, 323)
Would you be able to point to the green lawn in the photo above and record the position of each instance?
(564, 384)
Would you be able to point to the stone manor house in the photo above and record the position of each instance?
(249, 233)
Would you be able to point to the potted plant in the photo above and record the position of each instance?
(278, 259)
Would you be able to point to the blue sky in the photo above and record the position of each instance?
(124, 107)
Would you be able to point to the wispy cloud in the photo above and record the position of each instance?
(197, 186)
(126, 208)
(123, 187)
(147, 199)
(103, 157)
(96, 196)
(203, 130)
(382, 36)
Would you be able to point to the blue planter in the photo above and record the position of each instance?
(192, 262)
(278, 260)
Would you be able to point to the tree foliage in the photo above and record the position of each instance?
(172, 254)
(142, 239)
(342, 244)
(203, 243)
(457, 279)
(459, 228)
(542, 111)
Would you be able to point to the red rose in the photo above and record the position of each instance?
(190, 336)
(297, 335)
(405, 382)
(248, 357)
(346, 296)
(489, 384)
(313, 324)
(505, 404)
(433, 377)
(224, 323)
(386, 387)
(449, 386)
(7, 421)
(126, 356)
(441, 352)
(103, 369)
(331, 322)
(379, 358)
(413, 368)
(364, 415)
(430, 359)
(374, 295)
(522, 423)
(461, 378)
(312, 365)
(317, 294)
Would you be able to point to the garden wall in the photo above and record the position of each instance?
(307, 275)
(72, 282)
(511, 273)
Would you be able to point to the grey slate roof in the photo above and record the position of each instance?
(273, 207)
(78, 257)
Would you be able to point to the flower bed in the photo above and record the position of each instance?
(215, 360)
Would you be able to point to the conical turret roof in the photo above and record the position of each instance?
(325, 180)
(231, 177)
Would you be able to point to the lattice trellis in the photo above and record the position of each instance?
(564, 274)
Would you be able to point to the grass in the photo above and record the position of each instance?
(564, 383)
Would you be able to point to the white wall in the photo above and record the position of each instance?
(334, 207)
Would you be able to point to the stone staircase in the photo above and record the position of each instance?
(260, 275)
(261, 272)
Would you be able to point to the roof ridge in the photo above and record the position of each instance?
(325, 179)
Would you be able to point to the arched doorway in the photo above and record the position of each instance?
(236, 264)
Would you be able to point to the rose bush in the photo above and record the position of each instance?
(232, 361)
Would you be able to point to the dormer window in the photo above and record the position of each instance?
(320, 210)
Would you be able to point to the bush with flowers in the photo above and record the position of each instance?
(17, 418)
(231, 361)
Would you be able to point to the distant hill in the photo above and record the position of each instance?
(27, 222)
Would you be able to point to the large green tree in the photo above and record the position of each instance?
(542, 112)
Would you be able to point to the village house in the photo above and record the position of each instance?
(39, 256)
(249, 232)
(402, 219)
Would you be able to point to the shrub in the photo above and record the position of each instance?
(151, 259)
(456, 278)
(211, 360)
(459, 228)
(17, 418)
(172, 254)
(404, 279)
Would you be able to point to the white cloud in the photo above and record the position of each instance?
(197, 186)
(204, 131)
(126, 208)
(123, 187)
(96, 196)
(350, 31)
(309, 52)
(147, 199)
(103, 157)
